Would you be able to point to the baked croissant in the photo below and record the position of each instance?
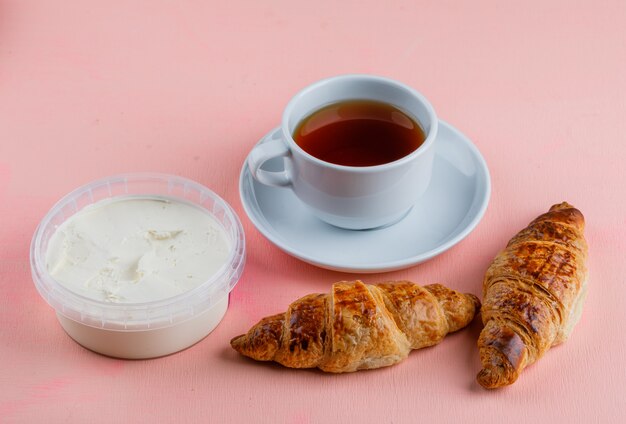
(532, 294)
(358, 326)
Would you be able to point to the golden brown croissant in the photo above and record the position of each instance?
(358, 326)
(532, 294)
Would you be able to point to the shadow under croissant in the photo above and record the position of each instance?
(232, 356)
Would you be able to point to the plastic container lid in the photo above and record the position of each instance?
(148, 315)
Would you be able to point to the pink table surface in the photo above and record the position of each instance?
(89, 89)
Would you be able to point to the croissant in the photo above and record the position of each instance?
(358, 326)
(532, 294)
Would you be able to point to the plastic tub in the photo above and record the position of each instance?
(150, 329)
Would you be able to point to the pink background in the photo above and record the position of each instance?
(90, 89)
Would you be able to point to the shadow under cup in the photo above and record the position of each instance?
(364, 197)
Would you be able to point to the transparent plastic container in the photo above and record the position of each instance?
(150, 329)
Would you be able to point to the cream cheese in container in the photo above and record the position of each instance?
(138, 265)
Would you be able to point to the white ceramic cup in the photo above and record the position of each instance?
(351, 197)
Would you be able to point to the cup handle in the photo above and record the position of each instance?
(271, 146)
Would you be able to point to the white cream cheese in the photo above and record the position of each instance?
(134, 250)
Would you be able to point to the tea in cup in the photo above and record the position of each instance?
(357, 150)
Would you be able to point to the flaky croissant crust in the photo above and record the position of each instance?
(532, 294)
(358, 326)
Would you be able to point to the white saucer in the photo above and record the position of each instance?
(450, 209)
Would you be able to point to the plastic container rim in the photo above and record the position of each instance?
(164, 311)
